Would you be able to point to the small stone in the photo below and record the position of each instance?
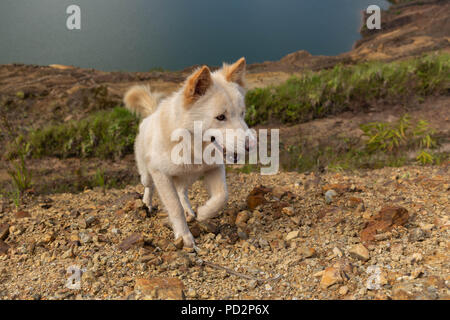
(415, 258)
(307, 252)
(191, 293)
(3, 247)
(85, 237)
(47, 238)
(330, 276)
(90, 220)
(136, 239)
(292, 235)
(289, 211)
(427, 226)
(195, 230)
(252, 284)
(337, 252)
(343, 290)
(4, 231)
(354, 202)
(329, 195)
(88, 276)
(160, 288)
(296, 220)
(21, 214)
(416, 234)
(67, 254)
(360, 252)
(241, 218)
(242, 235)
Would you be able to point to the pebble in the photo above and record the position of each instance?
(360, 252)
(343, 290)
(329, 195)
(85, 237)
(292, 235)
(241, 218)
(289, 211)
(330, 276)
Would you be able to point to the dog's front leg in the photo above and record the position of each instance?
(217, 189)
(169, 197)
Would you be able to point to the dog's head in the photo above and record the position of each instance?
(217, 100)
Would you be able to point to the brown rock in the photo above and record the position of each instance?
(289, 211)
(354, 202)
(21, 214)
(47, 238)
(385, 220)
(339, 188)
(136, 239)
(253, 201)
(359, 252)
(256, 197)
(4, 231)
(195, 230)
(330, 276)
(3, 247)
(160, 288)
(241, 218)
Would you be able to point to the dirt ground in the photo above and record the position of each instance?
(285, 241)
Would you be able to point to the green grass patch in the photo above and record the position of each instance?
(391, 144)
(104, 134)
(358, 87)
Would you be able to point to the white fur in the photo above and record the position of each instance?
(223, 95)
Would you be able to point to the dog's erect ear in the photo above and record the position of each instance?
(236, 72)
(197, 85)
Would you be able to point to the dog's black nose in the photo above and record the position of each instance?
(213, 139)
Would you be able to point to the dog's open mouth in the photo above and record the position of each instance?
(233, 158)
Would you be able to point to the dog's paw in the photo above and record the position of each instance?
(204, 213)
(188, 240)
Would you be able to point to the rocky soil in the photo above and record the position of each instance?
(381, 234)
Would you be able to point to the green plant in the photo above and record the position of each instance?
(425, 157)
(386, 136)
(104, 134)
(99, 179)
(360, 86)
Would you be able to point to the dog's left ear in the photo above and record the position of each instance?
(236, 72)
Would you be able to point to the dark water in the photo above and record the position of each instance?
(138, 35)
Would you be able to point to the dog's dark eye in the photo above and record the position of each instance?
(221, 117)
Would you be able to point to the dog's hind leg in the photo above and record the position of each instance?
(146, 180)
(217, 189)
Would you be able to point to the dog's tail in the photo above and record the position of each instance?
(140, 100)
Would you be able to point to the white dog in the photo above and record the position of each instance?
(217, 101)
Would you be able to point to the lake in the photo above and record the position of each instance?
(140, 35)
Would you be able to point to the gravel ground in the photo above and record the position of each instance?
(381, 234)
